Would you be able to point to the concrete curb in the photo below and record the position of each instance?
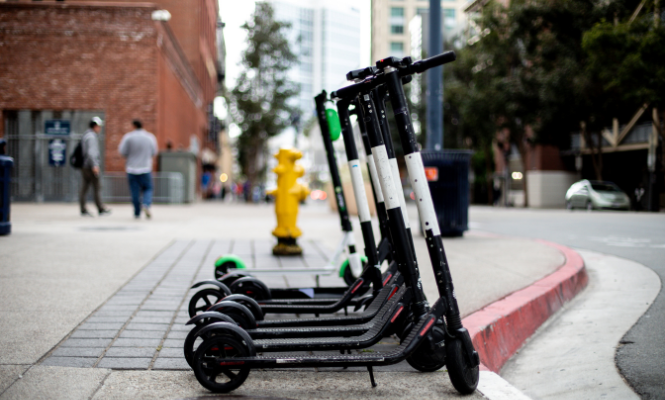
(501, 328)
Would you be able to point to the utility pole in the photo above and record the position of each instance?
(435, 81)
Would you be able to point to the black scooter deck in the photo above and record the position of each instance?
(360, 318)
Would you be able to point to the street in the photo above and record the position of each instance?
(635, 236)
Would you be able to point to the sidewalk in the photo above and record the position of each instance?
(57, 269)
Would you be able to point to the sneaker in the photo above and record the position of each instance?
(146, 210)
(106, 211)
(86, 214)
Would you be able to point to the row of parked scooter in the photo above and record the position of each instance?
(230, 335)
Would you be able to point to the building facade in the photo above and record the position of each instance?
(69, 61)
(325, 36)
(391, 19)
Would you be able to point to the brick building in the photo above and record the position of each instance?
(118, 60)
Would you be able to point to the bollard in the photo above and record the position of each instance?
(288, 195)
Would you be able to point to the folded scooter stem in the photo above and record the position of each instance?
(424, 202)
(404, 253)
(358, 184)
(354, 257)
(379, 96)
(373, 175)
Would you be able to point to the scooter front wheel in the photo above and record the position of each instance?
(430, 356)
(214, 367)
(202, 300)
(463, 377)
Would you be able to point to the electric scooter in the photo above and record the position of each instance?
(254, 288)
(366, 334)
(223, 361)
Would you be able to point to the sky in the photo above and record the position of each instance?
(234, 13)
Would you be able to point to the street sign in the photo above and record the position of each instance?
(57, 127)
(57, 152)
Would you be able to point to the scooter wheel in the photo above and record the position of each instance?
(203, 299)
(430, 356)
(230, 277)
(349, 279)
(463, 377)
(224, 268)
(214, 367)
(193, 339)
(251, 287)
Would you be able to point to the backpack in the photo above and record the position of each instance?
(76, 159)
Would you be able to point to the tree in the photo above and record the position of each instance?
(260, 101)
(626, 58)
(526, 78)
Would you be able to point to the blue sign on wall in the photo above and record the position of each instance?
(57, 152)
(57, 127)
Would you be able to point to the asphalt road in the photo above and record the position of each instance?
(635, 236)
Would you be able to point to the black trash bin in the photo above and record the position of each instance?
(6, 164)
(448, 175)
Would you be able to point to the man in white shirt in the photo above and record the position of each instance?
(139, 147)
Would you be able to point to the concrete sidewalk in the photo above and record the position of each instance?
(57, 269)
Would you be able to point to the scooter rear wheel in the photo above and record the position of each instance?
(430, 356)
(463, 377)
(203, 299)
(208, 371)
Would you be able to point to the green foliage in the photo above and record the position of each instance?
(260, 100)
(627, 59)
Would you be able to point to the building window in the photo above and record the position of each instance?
(397, 49)
(449, 13)
(397, 29)
(397, 12)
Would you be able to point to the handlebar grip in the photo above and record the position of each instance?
(435, 61)
(362, 73)
(347, 92)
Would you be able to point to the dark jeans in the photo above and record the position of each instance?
(89, 178)
(140, 183)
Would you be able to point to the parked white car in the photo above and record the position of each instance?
(596, 195)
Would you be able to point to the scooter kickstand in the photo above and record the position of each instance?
(371, 376)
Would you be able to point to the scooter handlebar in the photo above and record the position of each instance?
(359, 74)
(435, 61)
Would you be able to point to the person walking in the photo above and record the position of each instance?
(139, 147)
(90, 168)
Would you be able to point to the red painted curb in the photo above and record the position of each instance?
(499, 329)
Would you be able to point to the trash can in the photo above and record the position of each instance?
(448, 177)
(6, 164)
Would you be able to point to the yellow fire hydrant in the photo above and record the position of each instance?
(288, 195)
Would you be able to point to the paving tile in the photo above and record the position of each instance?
(101, 325)
(171, 364)
(86, 343)
(78, 352)
(142, 334)
(146, 313)
(78, 362)
(107, 320)
(147, 327)
(177, 334)
(152, 320)
(95, 334)
(173, 343)
(132, 342)
(141, 352)
(124, 363)
(171, 352)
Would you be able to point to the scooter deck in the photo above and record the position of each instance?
(400, 353)
(378, 327)
(360, 318)
(332, 331)
(267, 304)
(324, 295)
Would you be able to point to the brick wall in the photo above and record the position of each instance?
(99, 56)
